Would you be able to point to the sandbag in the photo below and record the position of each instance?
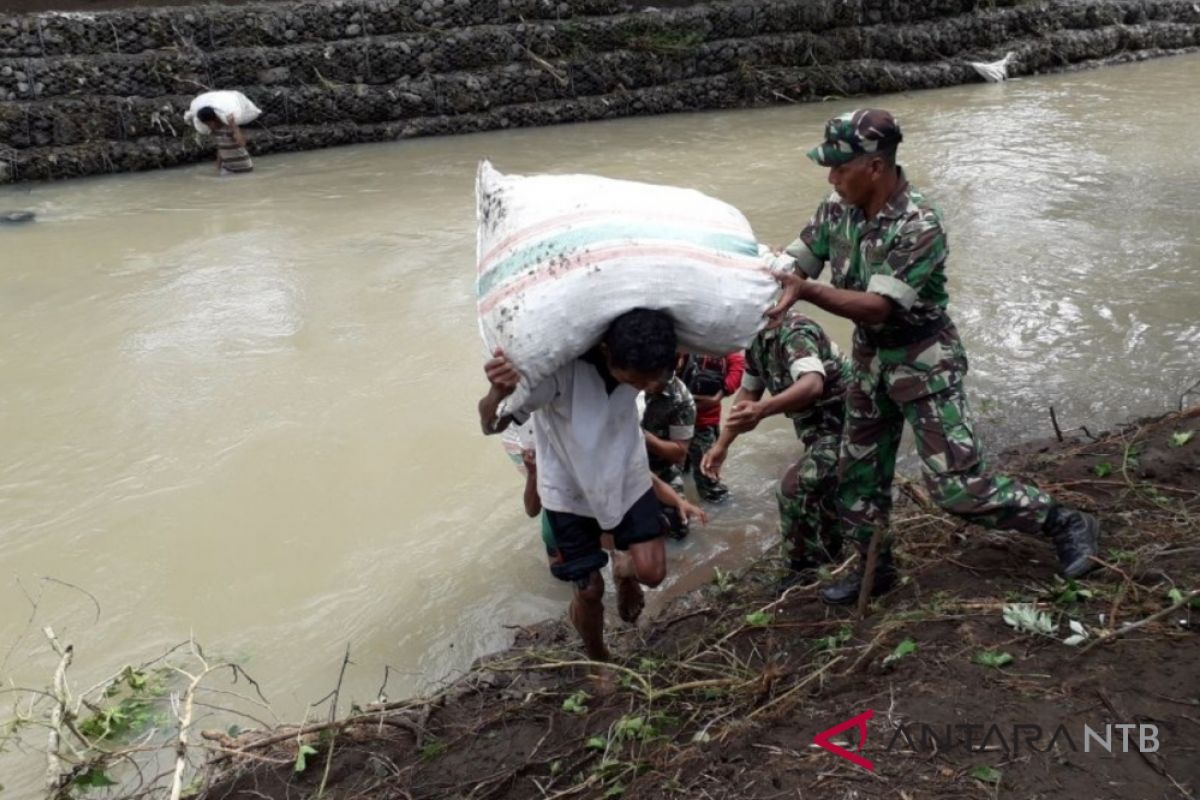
(561, 256)
(224, 103)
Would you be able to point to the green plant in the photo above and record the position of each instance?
(94, 778)
(1071, 593)
(723, 581)
(630, 729)
(835, 640)
(759, 619)
(576, 703)
(302, 755)
(993, 658)
(986, 774)
(1025, 618)
(1103, 469)
(432, 750)
(906, 647)
(1180, 438)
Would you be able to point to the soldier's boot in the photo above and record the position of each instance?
(1076, 537)
(845, 592)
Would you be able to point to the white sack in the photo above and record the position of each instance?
(224, 103)
(561, 256)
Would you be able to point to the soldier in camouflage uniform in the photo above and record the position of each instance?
(668, 424)
(807, 376)
(887, 249)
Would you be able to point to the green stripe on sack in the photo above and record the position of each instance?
(575, 240)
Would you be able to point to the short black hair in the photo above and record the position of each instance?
(208, 114)
(642, 340)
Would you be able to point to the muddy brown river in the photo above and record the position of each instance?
(244, 408)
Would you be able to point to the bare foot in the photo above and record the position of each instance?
(630, 599)
(603, 682)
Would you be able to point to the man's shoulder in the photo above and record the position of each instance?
(801, 326)
(920, 213)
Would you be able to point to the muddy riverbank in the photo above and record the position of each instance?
(722, 694)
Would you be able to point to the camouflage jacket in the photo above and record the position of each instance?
(669, 415)
(778, 357)
(900, 254)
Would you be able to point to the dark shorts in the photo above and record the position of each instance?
(573, 541)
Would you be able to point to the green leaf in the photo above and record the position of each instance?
(432, 750)
(597, 743)
(1180, 438)
(1103, 469)
(556, 766)
(616, 790)
(986, 774)
(576, 703)
(1026, 618)
(94, 778)
(1175, 595)
(993, 658)
(302, 757)
(759, 619)
(907, 647)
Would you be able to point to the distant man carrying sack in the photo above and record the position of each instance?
(232, 156)
(593, 475)
(806, 375)
(887, 249)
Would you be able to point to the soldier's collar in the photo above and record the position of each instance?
(898, 202)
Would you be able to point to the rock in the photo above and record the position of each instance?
(274, 75)
(6, 71)
(353, 30)
(290, 35)
(22, 87)
(13, 217)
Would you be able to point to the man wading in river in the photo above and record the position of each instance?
(593, 475)
(887, 251)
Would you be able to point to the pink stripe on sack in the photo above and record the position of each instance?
(575, 218)
(602, 254)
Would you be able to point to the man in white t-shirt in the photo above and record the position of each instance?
(593, 474)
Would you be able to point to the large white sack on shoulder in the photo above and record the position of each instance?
(224, 103)
(561, 256)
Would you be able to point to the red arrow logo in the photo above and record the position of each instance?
(859, 722)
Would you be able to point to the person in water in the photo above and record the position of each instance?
(232, 156)
(593, 475)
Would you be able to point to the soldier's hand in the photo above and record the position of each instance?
(501, 374)
(712, 462)
(793, 284)
(744, 416)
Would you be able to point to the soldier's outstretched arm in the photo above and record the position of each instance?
(866, 308)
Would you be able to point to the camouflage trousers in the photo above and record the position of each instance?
(702, 441)
(807, 495)
(953, 464)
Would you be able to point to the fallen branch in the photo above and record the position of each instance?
(57, 716)
(1108, 637)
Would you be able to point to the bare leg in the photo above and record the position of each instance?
(645, 563)
(587, 615)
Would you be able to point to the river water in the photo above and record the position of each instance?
(244, 408)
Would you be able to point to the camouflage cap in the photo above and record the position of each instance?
(856, 133)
